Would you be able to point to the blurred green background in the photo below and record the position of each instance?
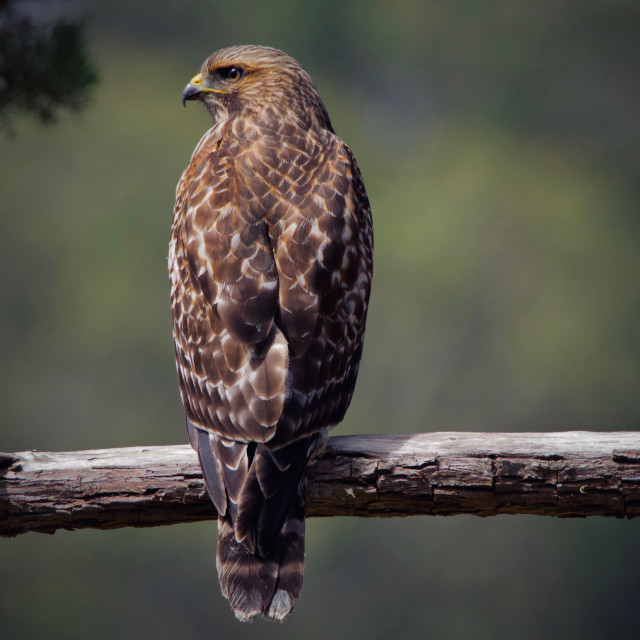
(500, 146)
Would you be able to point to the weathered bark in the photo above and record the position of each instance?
(556, 474)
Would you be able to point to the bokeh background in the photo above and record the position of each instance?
(500, 145)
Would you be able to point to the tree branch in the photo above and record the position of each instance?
(572, 474)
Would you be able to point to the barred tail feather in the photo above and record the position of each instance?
(259, 494)
(267, 585)
(291, 564)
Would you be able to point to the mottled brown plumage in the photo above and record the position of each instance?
(270, 263)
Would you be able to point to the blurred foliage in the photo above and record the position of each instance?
(500, 147)
(43, 67)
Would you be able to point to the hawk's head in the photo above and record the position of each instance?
(257, 82)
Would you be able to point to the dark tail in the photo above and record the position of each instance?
(268, 585)
(259, 494)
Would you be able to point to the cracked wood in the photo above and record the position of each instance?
(569, 474)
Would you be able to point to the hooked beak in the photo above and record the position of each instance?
(195, 89)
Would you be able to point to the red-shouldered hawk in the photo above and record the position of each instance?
(270, 260)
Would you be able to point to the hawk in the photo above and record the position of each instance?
(270, 262)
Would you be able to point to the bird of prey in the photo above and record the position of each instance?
(270, 262)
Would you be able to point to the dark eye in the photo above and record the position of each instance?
(233, 73)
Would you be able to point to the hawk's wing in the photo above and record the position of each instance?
(231, 358)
